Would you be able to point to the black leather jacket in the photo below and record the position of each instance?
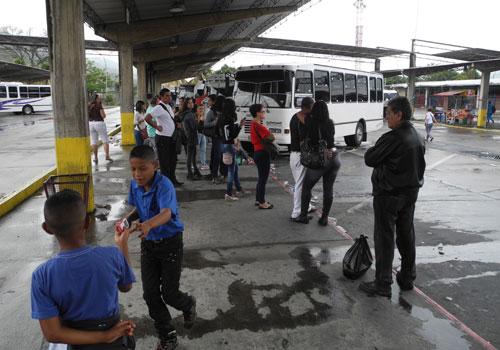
(398, 161)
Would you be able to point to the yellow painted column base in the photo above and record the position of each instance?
(73, 157)
(481, 118)
(128, 138)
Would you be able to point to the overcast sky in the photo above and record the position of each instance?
(387, 23)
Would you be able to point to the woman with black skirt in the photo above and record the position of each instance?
(319, 126)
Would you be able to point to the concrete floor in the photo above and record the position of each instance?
(263, 282)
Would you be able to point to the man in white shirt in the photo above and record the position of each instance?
(165, 127)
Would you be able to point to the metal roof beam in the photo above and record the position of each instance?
(155, 29)
(90, 16)
(38, 41)
(187, 60)
(156, 54)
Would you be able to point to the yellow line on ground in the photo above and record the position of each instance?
(17, 196)
(461, 127)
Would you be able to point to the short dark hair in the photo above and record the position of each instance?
(65, 212)
(320, 112)
(307, 102)
(163, 91)
(401, 104)
(144, 152)
(255, 108)
(154, 101)
(219, 101)
(138, 105)
(212, 97)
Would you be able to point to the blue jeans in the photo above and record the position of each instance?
(138, 138)
(263, 162)
(202, 142)
(232, 170)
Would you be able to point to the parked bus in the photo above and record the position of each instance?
(27, 99)
(354, 98)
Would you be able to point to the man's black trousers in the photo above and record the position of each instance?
(394, 217)
(167, 155)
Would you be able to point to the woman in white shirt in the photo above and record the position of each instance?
(139, 123)
(429, 122)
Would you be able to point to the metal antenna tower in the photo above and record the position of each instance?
(359, 26)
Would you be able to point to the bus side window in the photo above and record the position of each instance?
(3, 91)
(321, 86)
(380, 96)
(23, 90)
(337, 83)
(303, 85)
(362, 88)
(33, 91)
(13, 92)
(350, 88)
(44, 91)
(373, 90)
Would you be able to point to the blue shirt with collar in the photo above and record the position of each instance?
(150, 203)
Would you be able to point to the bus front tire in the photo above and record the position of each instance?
(27, 110)
(359, 136)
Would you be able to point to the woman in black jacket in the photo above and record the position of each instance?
(190, 125)
(229, 130)
(320, 127)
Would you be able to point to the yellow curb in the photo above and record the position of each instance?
(14, 198)
(460, 127)
(17, 196)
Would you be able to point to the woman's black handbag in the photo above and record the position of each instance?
(313, 156)
(357, 259)
(271, 147)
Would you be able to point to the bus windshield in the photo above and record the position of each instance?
(272, 88)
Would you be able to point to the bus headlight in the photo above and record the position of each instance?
(275, 131)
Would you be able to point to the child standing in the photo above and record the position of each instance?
(153, 196)
(75, 294)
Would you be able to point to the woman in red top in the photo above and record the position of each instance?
(261, 157)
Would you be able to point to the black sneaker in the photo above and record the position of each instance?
(190, 315)
(373, 289)
(169, 343)
(404, 285)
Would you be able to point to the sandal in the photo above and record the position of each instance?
(108, 158)
(96, 160)
(269, 207)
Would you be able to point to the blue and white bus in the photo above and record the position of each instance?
(354, 98)
(26, 99)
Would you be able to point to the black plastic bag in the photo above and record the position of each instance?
(357, 259)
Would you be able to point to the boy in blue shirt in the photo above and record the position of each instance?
(75, 294)
(153, 196)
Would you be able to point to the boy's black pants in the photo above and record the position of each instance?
(161, 271)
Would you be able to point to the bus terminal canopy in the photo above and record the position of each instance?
(21, 73)
(178, 39)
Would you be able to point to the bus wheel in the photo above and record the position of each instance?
(27, 110)
(356, 139)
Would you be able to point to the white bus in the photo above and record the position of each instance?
(27, 99)
(354, 98)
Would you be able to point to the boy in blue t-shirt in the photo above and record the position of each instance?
(153, 196)
(75, 294)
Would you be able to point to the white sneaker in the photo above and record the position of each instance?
(204, 167)
(230, 198)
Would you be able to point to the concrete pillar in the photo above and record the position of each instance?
(483, 99)
(69, 93)
(426, 98)
(125, 53)
(411, 81)
(377, 65)
(141, 81)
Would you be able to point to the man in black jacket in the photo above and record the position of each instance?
(399, 165)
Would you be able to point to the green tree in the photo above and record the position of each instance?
(225, 69)
(18, 60)
(469, 74)
(98, 80)
(441, 76)
(399, 79)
